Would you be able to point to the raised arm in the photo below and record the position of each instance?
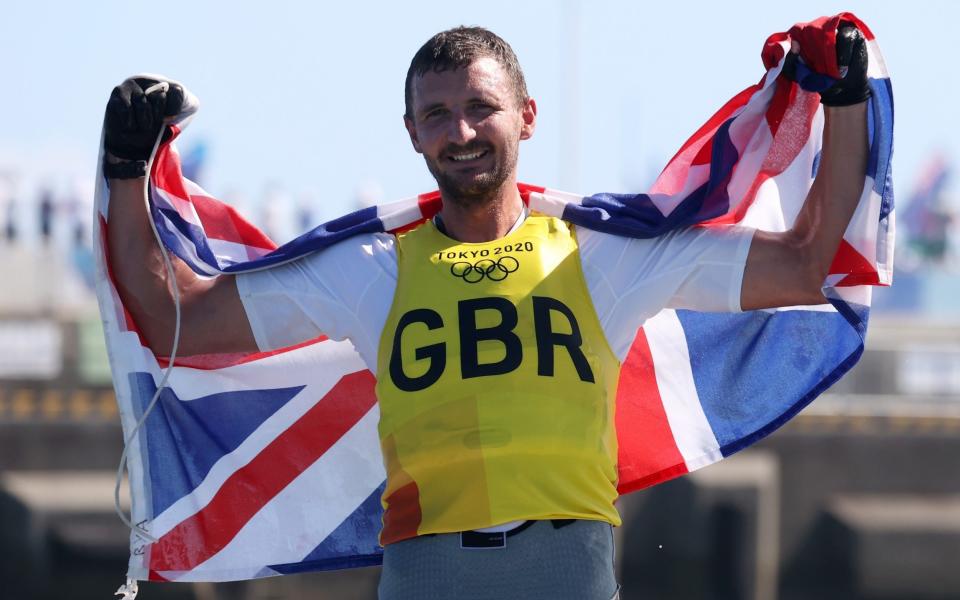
(789, 268)
(212, 315)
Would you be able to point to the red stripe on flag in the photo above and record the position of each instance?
(221, 221)
(772, 50)
(213, 362)
(207, 532)
(857, 268)
(647, 451)
(818, 44)
(166, 173)
(674, 176)
(430, 204)
(785, 93)
(526, 189)
(818, 41)
(790, 118)
(848, 260)
(718, 118)
(861, 279)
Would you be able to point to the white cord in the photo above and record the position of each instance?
(172, 284)
(128, 590)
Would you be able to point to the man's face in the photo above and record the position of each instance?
(468, 125)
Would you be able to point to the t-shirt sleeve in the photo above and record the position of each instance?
(631, 280)
(322, 293)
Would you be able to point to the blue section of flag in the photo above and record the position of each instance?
(635, 215)
(185, 438)
(164, 216)
(809, 80)
(351, 544)
(359, 222)
(800, 353)
(881, 148)
(816, 164)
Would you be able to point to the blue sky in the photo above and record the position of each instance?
(310, 95)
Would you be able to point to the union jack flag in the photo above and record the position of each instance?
(266, 464)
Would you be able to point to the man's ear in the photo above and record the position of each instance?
(528, 113)
(412, 132)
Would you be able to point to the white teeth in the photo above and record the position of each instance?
(466, 156)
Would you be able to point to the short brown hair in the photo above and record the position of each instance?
(458, 47)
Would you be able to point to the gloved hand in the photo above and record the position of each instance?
(852, 60)
(135, 114)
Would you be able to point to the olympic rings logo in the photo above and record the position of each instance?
(494, 270)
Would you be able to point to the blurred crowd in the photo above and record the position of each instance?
(46, 225)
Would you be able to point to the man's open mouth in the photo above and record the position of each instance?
(467, 156)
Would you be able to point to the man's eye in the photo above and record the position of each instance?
(433, 114)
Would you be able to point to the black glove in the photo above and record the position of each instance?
(134, 117)
(852, 58)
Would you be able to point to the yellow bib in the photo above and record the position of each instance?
(496, 385)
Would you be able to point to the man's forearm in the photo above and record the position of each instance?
(837, 188)
(213, 318)
(137, 263)
(789, 268)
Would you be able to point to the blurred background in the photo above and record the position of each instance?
(857, 497)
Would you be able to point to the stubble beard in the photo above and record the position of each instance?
(479, 189)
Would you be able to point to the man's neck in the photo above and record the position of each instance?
(484, 222)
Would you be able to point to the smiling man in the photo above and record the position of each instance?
(467, 109)
(496, 334)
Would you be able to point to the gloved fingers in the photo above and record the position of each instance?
(789, 69)
(135, 115)
(852, 58)
(848, 38)
(174, 101)
(143, 114)
(157, 100)
(118, 107)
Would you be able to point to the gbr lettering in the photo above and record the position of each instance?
(470, 335)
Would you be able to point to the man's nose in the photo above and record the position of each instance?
(461, 130)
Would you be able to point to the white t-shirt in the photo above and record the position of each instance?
(346, 291)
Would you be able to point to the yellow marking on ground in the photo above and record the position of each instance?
(900, 424)
(51, 404)
(22, 404)
(805, 424)
(952, 424)
(82, 398)
(831, 423)
(861, 424)
(80, 406)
